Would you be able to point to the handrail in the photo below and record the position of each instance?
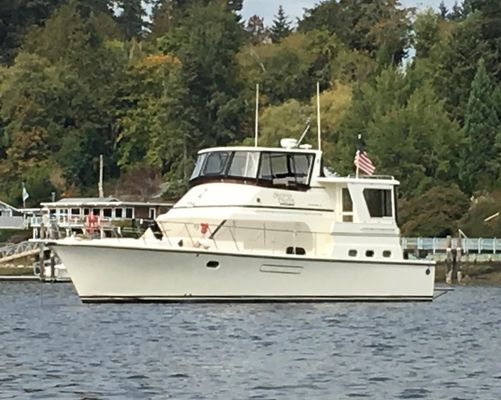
(467, 245)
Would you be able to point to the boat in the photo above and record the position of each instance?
(259, 224)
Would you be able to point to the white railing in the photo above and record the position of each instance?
(440, 245)
(17, 250)
(250, 239)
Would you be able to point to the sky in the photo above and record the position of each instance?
(294, 8)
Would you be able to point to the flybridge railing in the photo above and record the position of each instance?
(440, 245)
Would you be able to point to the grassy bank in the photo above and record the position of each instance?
(15, 271)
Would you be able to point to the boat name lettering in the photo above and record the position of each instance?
(284, 199)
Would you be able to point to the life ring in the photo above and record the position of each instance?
(92, 223)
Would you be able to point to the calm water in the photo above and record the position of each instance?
(53, 347)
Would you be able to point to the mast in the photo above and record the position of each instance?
(318, 118)
(256, 129)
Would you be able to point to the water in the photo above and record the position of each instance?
(54, 347)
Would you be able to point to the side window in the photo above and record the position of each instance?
(347, 206)
(198, 166)
(300, 165)
(215, 164)
(379, 202)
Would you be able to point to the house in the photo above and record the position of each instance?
(73, 214)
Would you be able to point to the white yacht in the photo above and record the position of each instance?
(259, 224)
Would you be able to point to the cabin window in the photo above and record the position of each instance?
(198, 166)
(244, 164)
(347, 205)
(216, 163)
(386, 253)
(369, 253)
(352, 253)
(379, 202)
(285, 168)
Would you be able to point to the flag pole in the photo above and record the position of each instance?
(357, 154)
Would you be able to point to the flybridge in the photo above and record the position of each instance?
(277, 167)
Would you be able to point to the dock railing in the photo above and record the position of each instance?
(440, 245)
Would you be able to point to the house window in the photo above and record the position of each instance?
(118, 213)
(152, 213)
(107, 212)
(129, 213)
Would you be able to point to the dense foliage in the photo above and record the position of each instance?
(147, 83)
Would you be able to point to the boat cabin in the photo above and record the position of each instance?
(288, 168)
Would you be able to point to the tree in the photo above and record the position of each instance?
(407, 131)
(436, 213)
(443, 11)
(281, 26)
(257, 30)
(427, 32)
(292, 67)
(206, 42)
(16, 17)
(155, 129)
(381, 27)
(480, 166)
(130, 19)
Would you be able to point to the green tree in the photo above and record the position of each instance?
(90, 71)
(155, 129)
(381, 28)
(206, 43)
(281, 26)
(480, 167)
(407, 130)
(256, 29)
(131, 18)
(427, 32)
(16, 16)
(436, 213)
(292, 67)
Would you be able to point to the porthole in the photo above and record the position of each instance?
(352, 253)
(213, 264)
(387, 253)
(369, 253)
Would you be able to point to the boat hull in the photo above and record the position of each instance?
(103, 273)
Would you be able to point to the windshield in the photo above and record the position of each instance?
(284, 169)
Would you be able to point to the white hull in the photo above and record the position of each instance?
(140, 271)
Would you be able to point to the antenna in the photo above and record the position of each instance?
(318, 118)
(256, 133)
(306, 129)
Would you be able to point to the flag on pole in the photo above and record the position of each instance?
(25, 195)
(362, 160)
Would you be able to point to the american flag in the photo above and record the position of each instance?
(362, 160)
